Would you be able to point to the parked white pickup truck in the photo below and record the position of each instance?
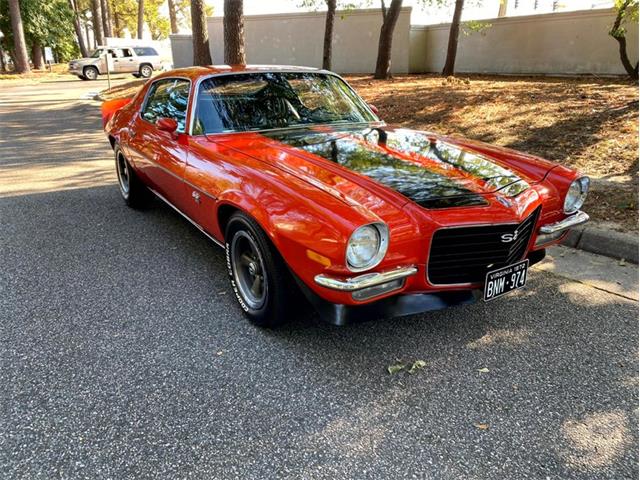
(140, 61)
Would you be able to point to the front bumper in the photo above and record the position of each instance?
(574, 220)
(552, 232)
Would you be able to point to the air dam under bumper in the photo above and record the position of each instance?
(395, 306)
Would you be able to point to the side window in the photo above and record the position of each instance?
(126, 52)
(169, 99)
(145, 51)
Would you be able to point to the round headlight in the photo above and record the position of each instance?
(367, 246)
(576, 195)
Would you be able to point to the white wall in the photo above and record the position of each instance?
(181, 50)
(297, 38)
(555, 43)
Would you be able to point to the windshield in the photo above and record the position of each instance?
(264, 101)
(97, 53)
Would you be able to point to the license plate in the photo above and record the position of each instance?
(505, 279)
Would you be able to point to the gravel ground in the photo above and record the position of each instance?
(124, 355)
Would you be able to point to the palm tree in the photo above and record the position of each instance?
(20, 46)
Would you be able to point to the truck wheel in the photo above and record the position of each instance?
(260, 279)
(146, 70)
(82, 77)
(90, 73)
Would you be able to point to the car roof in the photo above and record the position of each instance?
(196, 72)
(125, 46)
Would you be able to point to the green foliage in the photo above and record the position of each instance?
(627, 10)
(475, 26)
(46, 22)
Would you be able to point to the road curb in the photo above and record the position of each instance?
(604, 242)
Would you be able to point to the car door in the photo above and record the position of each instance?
(161, 156)
(126, 62)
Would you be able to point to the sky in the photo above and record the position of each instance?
(421, 14)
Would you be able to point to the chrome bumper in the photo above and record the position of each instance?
(574, 220)
(364, 281)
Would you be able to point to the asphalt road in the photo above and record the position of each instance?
(124, 355)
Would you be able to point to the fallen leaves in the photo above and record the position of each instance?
(587, 124)
(481, 426)
(483, 370)
(400, 366)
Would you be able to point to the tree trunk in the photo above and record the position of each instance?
(96, 14)
(328, 34)
(201, 52)
(389, 20)
(90, 45)
(619, 36)
(36, 56)
(106, 20)
(452, 46)
(20, 46)
(140, 18)
(233, 22)
(172, 16)
(3, 63)
(76, 24)
(116, 21)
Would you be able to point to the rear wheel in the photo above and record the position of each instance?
(260, 279)
(90, 73)
(133, 191)
(145, 70)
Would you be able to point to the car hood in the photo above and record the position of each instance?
(84, 60)
(372, 167)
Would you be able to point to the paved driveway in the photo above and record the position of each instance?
(124, 355)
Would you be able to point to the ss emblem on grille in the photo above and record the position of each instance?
(509, 237)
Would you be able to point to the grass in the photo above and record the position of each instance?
(589, 124)
(57, 69)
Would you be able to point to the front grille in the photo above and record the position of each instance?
(466, 254)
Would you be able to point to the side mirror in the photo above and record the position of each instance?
(167, 124)
(374, 109)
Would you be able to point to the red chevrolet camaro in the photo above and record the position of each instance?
(307, 190)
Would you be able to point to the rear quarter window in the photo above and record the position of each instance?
(145, 51)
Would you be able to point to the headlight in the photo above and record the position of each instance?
(576, 195)
(367, 246)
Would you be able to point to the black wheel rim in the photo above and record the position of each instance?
(248, 270)
(123, 174)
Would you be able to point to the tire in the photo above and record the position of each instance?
(146, 70)
(90, 73)
(134, 192)
(250, 254)
(82, 77)
(137, 75)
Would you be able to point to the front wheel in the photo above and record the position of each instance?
(260, 279)
(90, 73)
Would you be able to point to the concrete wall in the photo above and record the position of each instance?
(182, 50)
(296, 39)
(556, 43)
